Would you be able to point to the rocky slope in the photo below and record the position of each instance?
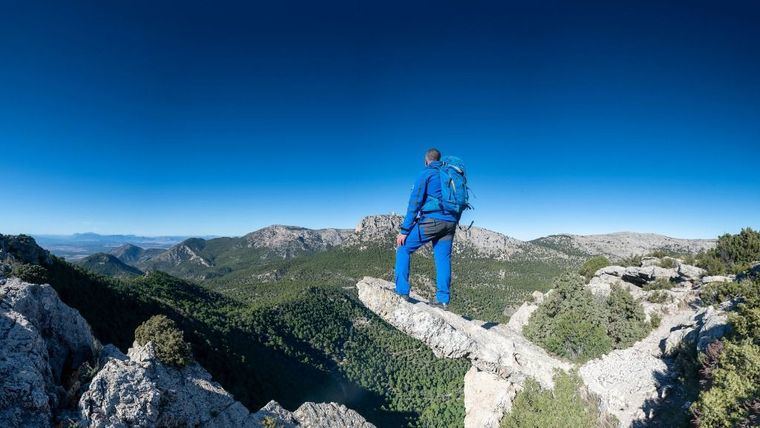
(53, 371)
(624, 244)
(629, 382)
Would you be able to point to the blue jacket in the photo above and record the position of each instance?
(428, 183)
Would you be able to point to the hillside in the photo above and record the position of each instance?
(313, 344)
(109, 265)
(132, 254)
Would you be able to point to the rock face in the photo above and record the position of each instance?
(626, 244)
(22, 249)
(290, 240)
(487, 398)
(139, 390)
(500, 351)
(40, 339)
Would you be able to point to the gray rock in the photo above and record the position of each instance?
(498, 350)
(714, 325)
(273, 413)
(521, 316)
(328, 415)
(717, 278)
(616, 271)
(141, 391)
(642, 275)
(40, 338)
(690, 273)
(487, 398)
(650, 261)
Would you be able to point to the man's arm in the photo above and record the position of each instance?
(415, 202)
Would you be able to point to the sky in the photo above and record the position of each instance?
(218, 118)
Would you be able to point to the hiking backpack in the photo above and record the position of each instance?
(454, 191)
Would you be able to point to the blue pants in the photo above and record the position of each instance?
(441, 234)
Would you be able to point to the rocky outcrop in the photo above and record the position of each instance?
(22, 249)
(626, 379)
(288, 241)
(496, 350)
(625, 244)
(487, 398)
(319, 415)
(40, 340)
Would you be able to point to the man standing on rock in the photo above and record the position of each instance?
(432, 216)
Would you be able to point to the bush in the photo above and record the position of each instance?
(655, 320)
(657, 296)
(570, 323)
(592, 265)
(35, 274)
(732, 253)
(667, 262)
(626, 319)
(569, 404)
(167, 339)
(717, 292)
(658, 284)
(732, 400)
(634, 260)
(731, 367)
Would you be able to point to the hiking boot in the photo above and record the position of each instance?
(444, 306)
(405, 297)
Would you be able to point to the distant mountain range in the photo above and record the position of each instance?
(201, 259)
(79, 245)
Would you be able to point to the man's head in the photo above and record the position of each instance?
(432, 155)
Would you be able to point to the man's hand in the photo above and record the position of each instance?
(400, 239)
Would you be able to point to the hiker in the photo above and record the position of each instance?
(432, 216)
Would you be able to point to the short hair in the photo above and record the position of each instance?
(432, 155)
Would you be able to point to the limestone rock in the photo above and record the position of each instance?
(717, 278)
(496, 349)
(327, 415)
(273, 412)
(690, 273)
(487, 398)
(625, 379)
(142, 391)
(642, 275)
(650, 261)
(714, 325)
(520, 317)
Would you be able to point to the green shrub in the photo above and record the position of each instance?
(667, 262)
(717, 292)
(167, 339)
(732, 399)
(658, 284)
(569, 404)
(592, 265)
(625, 317)
(658, 296)
(732, 253)
(654, 321)
(570, 323)
(634, 260)
(731, 367)
(35, 274)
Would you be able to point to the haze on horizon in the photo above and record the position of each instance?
(219, 119)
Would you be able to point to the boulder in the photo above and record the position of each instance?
(690, 273)
(521, 316)
(323, 415)
(40, 339)
(487, 398)
(642, 275)
(616, 271)
(650, 261)
(714, 325)
(717, 278)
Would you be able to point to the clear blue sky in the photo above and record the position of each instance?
(219, 118)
